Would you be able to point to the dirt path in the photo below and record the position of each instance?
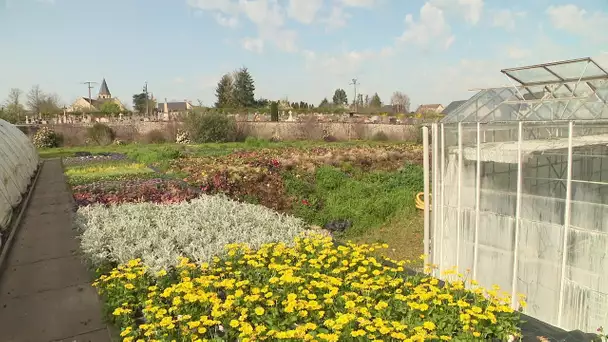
(45, 292)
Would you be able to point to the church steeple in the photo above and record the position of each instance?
(104, 92)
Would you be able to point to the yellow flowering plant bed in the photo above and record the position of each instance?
(311, 291)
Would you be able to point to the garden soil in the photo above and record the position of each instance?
(45, 291)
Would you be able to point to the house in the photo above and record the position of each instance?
(85, 104)
(174, 107)
(452, 106)
(433, 108)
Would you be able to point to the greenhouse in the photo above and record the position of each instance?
(18, 163)
(519, 178)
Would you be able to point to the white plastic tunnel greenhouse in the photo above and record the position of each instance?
(18, 162)
(519, 184)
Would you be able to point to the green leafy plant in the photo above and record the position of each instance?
(100, 134)
(211, 127)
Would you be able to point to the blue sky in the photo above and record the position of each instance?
(435, 51)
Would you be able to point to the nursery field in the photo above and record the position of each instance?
(359, 191)
(264, 241)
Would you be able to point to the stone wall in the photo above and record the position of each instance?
(75, 134)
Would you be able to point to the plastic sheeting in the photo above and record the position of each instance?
(18, 162)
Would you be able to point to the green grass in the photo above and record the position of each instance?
(84, 174)
(369, 200)
(380, 205)
(153, 153)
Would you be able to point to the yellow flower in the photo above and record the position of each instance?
(429, 325)
(234, 323)
(259, 311)
(356, 333)
(129, 286)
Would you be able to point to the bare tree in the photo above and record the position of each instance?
(400, 102)
(35, 98)
(50, 105)
(14, 107)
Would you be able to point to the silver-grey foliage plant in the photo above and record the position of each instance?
(159, 234)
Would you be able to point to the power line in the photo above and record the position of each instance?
(90, 86)
(354, 84)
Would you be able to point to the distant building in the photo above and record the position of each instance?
(84, 104)
(433, 108)
(174, 107)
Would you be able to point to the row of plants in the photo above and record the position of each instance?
(78, 174)
(309, 290)
(155, 190)
(160, 233)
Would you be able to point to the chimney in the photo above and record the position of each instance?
(166, 107)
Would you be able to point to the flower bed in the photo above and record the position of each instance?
(312, 291)
(84, 174)
(86, 158)
(154, 190)
(160, 234)
(258, 176)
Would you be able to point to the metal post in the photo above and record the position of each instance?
(442, 166)
(425, 165)
(517, 216)
(477, 201)
(562, 285)
(435, 191)
(459, 200)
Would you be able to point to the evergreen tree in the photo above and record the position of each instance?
(225, 92)
(274, 111)
(324, 103)
(244, 89)
(375, 102)
(340, 97)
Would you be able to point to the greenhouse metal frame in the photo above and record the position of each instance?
(519, 177)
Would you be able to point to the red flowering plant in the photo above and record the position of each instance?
(133, 191)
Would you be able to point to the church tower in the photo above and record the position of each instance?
(104, 92)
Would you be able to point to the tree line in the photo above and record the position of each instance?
(236, 90)
(36, 102)
(399, 101)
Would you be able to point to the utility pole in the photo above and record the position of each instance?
(147, 99)
(354, 84)
(90, 86)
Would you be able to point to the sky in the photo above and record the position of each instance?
(435, 51)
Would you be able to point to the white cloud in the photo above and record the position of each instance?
(431, 28)
(267, 15)
(515, 52)
(337, 18)
(225, 6)
(471, 10)
(226, 21)
(578, 21)
(253, 44)
(358, 3)
(506, 18)
(178, 80)
(304, 11)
